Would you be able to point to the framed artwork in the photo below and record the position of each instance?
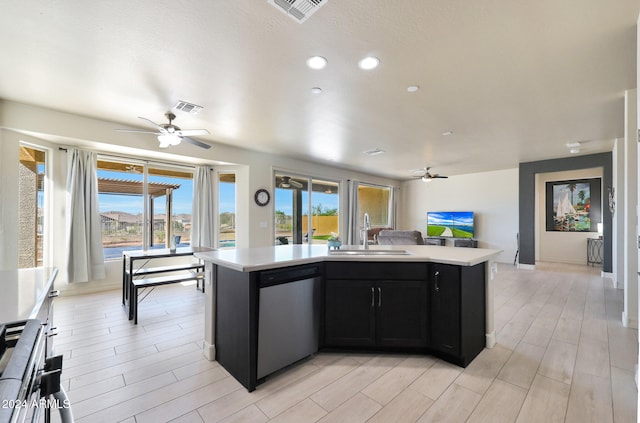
(574, 205)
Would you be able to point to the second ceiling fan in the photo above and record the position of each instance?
(427, 176)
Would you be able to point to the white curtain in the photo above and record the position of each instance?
(202, 221)
(353, 218)
(85, 259)
(393, 208)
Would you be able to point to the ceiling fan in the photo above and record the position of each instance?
(169, 134)
(287, 182)
(427, 176)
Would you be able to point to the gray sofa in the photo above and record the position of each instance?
(393, 237)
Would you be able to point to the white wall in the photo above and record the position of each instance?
(560, 247)
(617, 246)
(630, 312)
(492, 196)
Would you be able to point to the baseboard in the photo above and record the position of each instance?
(629, 322)
(490, 339)
(607, 275)
(526, 266)
(81, 288)
(209, 351)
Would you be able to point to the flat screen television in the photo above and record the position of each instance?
(453, 224)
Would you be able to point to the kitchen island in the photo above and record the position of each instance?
(271, 306)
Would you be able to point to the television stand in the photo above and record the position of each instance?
(465, 242)
(434, 241)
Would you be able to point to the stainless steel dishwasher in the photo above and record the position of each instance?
(288, 316)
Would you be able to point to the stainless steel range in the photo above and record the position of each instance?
(29, 380)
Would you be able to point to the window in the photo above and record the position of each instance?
(303, 215)
(376, 201)
(121, 205)
(31, 194)
(226, 210)
(170, 194)
(123, 187)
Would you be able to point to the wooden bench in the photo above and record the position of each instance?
(196, 272)
(132, 273)
(145, 271)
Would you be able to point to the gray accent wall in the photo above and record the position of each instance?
(527, 203)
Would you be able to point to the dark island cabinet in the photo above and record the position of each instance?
(457, 311)
(349, 316)
(376, 305)
(401, 313)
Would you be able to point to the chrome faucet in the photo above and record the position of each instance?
(365, 231)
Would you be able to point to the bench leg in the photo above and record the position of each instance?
(133, 303)
(198, 281)
(135, 307)
(124, 275)
(130, 289)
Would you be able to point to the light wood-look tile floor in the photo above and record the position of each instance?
(562, 356)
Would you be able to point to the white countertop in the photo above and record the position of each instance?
(263, 258)
(23, 291)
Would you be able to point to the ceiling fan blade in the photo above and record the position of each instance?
(138, 131)
(159, 127)
(439, 176)
(192, 132)
(195, 142)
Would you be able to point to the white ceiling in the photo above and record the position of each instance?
(514, 80)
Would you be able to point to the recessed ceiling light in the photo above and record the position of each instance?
(316, 90)
(369, 63)
(447, 133)
(413, 88)
(573, 145)
(316, 62)
(374, 152)
(574, 151)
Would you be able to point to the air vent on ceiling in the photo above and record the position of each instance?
(187, 107)
(374, 152)
(299, 10)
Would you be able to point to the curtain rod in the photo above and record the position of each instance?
(110, 156)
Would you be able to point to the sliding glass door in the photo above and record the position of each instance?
(306, 209)
(226, 210)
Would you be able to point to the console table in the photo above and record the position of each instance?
(130, 272)
(594, 251)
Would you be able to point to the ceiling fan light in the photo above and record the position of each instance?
(425, 178)
(168, 139)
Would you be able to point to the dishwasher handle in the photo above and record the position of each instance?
(289, 274)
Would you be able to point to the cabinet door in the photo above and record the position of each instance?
(401, 313)
(445, 308)
(349, 313)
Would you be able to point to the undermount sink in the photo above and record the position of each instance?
(368, 252)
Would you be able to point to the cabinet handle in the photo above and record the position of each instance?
(379, 297)
(437, 288)
(373, 296)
